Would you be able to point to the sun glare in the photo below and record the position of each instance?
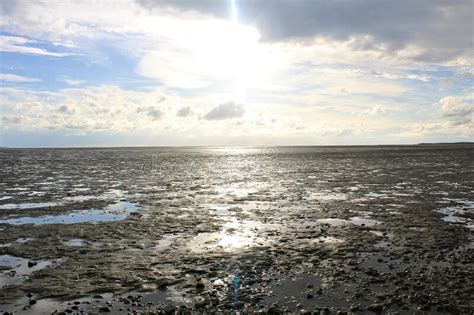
(229, 50)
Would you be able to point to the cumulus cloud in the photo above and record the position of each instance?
(16, 78)
(12, 120)
(225, 111)
(374, 110)
(63, 109)
(440, 29)
(153, 112)
(83, 109)
(425, 30)
(455, 119)
(183, 111)
(17, 45)
(456, 108)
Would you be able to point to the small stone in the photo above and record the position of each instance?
(32, 302)
(376, 308)
(309, 296)
(199, 285)
(32, 264)
(105, 309)
(169, 309)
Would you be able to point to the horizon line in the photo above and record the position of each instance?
(244, 146)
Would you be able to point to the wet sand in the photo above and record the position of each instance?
(350, 229)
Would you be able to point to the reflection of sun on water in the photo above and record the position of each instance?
(234, 235)
(234, 241)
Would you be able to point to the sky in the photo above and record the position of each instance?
(235, 72)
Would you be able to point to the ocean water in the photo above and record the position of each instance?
(288, 210)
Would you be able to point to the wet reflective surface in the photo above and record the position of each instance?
(113, 212)
(343, 228)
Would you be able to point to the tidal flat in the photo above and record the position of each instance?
(362, 229)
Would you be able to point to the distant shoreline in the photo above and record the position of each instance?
(248, 146)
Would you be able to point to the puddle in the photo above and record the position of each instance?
(236, 191)
(374, 195)
(364, 221)
(166, 242)
(21, 240)
(113, 194)
(234, 235)
(37, 193)
(221, 209)
(79, 198)
(325, 196)
(327, 240)
(453, 214)
(77, 242)
(115, 212)
(377, 233)
(333, 221)
(18, 269)
(417, 228)
(11, 206)
(66, 200)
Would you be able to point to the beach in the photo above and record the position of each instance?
(381, 229)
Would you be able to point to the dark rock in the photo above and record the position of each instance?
(376, 307)
(32, 264)
(199, 285)
(169, 309)
(105, 309)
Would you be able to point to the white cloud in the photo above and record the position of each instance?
(63, 109)
(184, 111)
(374, 110)
(16, 44)
(323, 84)
(12, 120)
(151, 111)
(225, 111)
(456, 107)
(71, 81)
(454, 119)
(16, 78)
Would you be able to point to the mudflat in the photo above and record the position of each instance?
(327, 229)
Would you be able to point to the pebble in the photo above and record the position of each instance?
(32, 264)
(105, 309)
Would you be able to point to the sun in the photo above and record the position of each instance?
(229, 51)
